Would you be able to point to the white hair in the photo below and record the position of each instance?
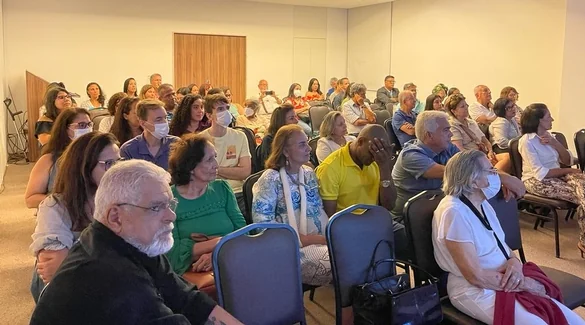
(426, 122)
(357, 88)
(461, 171)
(123, 183)
(403, 95)
(160, 244)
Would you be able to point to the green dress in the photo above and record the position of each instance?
(215, 213)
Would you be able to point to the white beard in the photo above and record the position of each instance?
(160, 244)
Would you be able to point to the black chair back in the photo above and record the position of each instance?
(247, 194)
(313, 159)
(375, 106)
(579, 139)
(259, 162)
(251, 144)
(317, 114)
(561, 138)
(381, 116)
(507, 213)
(515, 158)
(393, 138)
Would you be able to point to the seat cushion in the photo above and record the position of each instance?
(452, 315)
(558, 204)
(572, 287)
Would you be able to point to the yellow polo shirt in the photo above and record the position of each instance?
(342, 180)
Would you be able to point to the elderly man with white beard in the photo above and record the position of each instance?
(117, 272)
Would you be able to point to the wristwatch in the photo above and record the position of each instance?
(386, 183)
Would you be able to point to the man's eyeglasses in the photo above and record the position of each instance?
(81, 125)
(171, 205)
(110, 162)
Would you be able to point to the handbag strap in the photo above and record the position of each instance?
(485, 222)
(372, 267)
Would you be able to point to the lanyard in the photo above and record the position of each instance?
(485, 223)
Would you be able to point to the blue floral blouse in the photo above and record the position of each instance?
(268, 204)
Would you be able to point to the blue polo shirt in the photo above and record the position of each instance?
(398, 119)
(137, 148)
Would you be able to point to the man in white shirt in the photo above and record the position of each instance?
(267, 98)
(231, 146)
(481, 111)
(356, 111)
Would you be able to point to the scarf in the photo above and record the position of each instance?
(290, 211)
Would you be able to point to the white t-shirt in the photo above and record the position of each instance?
(352, 113)
(454, 221)
(476, 110)
(230, 148)
(326, 146)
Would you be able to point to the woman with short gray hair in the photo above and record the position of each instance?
(333, 135)
(469, 243)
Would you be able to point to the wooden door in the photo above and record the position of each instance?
(35, 97)
(219, 59)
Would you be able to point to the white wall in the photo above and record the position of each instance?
(3, 113)
(466, 43)
(369, 45)
(107, 41)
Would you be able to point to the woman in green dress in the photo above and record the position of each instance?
(207, 208)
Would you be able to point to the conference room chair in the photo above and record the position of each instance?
(251, 144)
(350, 254)
(382, 116)
(539, 206)
(313, 158)
(258, 277)
(317, 115)
(247, 193)
(393, 138)
(579, 140)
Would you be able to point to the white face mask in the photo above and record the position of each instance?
(249, 112)
(79, 132)
(161, 130)
(297, 93)
(224, 118)
(493, 188)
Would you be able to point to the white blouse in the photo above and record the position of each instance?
(537, 158)
(53, 231)
(454, 221)
(502, 131)
(326, 146)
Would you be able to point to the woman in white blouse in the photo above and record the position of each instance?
(542, 157)
(65, 213)
(333, 133)
(113, 104)
(504, 128)
(97, 99)
(468, 250)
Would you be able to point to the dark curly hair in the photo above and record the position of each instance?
(182, 117)
(186, 154)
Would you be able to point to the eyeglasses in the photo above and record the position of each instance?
(171, 205)
(81, 125)
(110, 162)
(64, 97)
(491, 171)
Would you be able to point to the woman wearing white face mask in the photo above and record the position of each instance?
(251, 119)
(301, 106)
(70, 124)
(469, 243)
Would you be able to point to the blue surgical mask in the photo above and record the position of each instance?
(494, 186)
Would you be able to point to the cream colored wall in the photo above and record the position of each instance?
(466, 43)
(3, 113)
(107, 41)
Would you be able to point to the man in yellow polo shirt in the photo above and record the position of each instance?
(361, 173)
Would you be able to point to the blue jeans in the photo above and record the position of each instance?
(37, 285)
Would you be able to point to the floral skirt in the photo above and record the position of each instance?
(315, 265)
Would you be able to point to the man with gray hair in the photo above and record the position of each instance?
(418, 106)
(156, 80)
(404, 118)
(333, 84)
(481, 111)
(421, 163)
(117, 272)
(356, 110)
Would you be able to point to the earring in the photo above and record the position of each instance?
(286, 161)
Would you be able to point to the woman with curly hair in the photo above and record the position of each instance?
(189, 117)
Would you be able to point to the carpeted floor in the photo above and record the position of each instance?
(17, 224)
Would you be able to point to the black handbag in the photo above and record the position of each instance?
(392, 300)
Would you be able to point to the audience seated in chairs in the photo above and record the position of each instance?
(207, 208)
(404, 119)
(333, 135)
(126, 124)
(487, 281)
(283, 115)
(467, 135)
(71, 124)
(233, 152)
(543, 164)
(301, 106)
(154, 143)
(252, 120)
(360, 173)
(113, 105)
(434, 103)
(166, 94)
(418, 105)
(356, 111)
(288, 192)
(97, 98)
(481, 111)
(69, 209)
(314, 90)
(421, 163)
(512, 94)
(268, 99)
(504, 128)
(148, 92)
(57, 99)
(130, 87)
(116, 273)
(189, 117)
(339, 94)
(387, 95)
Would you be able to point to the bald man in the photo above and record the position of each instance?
(361, 173)
(481, 111)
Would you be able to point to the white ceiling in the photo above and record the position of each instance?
(346, 4)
